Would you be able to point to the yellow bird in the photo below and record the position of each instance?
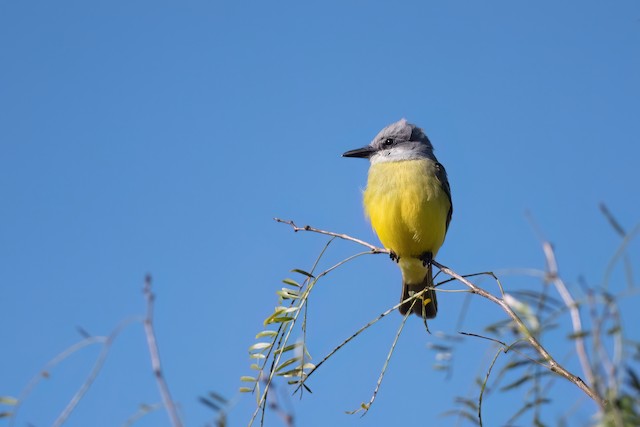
(408, 201)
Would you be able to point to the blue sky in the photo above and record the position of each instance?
(156, 137)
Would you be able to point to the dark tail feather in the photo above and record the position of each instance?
(421, 307)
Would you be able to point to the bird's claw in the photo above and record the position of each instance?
(426, 258)
(394, 256)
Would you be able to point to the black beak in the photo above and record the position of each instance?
(364, 152)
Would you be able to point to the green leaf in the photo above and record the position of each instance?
(304, 273)
(614, 330)
(255, 366)
(287, 348)
(269, 319)
(516, 383)
(467, 402)
(292, 283)
(296, 372)
(218, 397)
(581, 334)
(258, 394)
(439, 348)
(280, 319)
(257, 356)
(287, 310)
(363, 407)
(248, 379)
(463, 414)
(8, 400)
(287, 363)
(287, 293)
(517, 364)
(260, 346)
(245, 390)
(213, 405)
(266, 334)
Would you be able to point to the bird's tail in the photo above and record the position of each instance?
(424, 306)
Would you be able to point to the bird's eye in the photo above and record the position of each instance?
(388, 142)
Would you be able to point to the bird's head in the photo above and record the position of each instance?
(398, 141)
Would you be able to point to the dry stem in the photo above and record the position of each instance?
(155, 357)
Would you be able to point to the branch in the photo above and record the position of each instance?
(568, 300)
(374, 249)
(106, 341)
(155, 356)
(97, 367)
(552, 365)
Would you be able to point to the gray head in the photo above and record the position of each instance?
(398, 141)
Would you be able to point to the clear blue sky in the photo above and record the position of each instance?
(154, 137)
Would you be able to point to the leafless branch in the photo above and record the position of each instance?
(155, 357)
(106, 342)
(374, 249)
(574, 310)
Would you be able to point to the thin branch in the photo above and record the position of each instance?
(573, 307)
(262, 398)
(45, 372)
(486, 380)
(553, 366)
(106, 342)
(471, 334)
(374, 249)
(155, 357)
(97, 367)
(362, 329)
(612, 220)
(367, 406)
(621, 251)
(141, 412)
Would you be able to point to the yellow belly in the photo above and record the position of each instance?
(407, 207)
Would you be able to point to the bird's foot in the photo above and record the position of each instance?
(426, 258)
(394, 256)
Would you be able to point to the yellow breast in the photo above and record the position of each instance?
(407, 206)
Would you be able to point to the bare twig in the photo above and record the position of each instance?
(45, 372)
(374, 249)
(106, 342)
(141, 412)
(386, 362)
(612, 220)
(97, 367)
(573, 307)
(486, 380)
(413, 298)
(620, 252)
(168, 403)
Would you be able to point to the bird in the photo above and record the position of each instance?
(408, 201)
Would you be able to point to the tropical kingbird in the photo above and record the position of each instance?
(408, 201)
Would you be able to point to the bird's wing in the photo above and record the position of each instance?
(441, 174)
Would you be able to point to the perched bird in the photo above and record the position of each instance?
(408, 201)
